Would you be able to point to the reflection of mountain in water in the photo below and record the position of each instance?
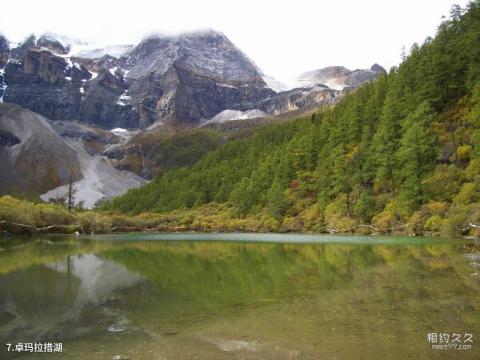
(98, 277)
(227, 300)
(36, 300)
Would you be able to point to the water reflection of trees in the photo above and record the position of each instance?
(175, 282)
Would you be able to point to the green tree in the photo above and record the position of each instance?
(417, 154)
(276, 200)
(476, 119)
(242, 196)
(365, 206)
(386, 143)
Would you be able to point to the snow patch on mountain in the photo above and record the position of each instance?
(274, 84)
(124, 135)
(3, 88)
(119, 131)
(229, 115)
(94, 51)
(3, 85)
(86, 49)
(336, 84)
(93, 74)
(123, 99)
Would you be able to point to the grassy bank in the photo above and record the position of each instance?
(25, 217)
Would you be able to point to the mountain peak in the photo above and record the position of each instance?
(53, 44)
(339, 77)
(207, 52)
(378, 69)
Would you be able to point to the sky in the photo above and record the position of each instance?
(284, 38)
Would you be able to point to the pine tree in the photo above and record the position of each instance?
(276, 200)
(417, 154)
(241, 196)
(365, 207)
(386, 143)
(342, 182)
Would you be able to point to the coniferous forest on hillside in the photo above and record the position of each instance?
(402, 151)
(398, 155)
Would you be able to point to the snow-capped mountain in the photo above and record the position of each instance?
(164, 80)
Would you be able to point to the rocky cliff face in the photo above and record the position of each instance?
(4, 56)
(171, 81)
(176, 80)
(300, 98)
(61, 88)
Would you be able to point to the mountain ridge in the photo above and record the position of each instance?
(339, 77)
(170, 80)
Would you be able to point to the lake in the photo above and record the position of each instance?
(240, 296)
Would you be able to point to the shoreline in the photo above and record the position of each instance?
(176, 230)
(24, 217)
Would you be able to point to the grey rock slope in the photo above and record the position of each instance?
(38, 157)
(100, 180)
(33, 157)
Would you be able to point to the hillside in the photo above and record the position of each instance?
(401, 154)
